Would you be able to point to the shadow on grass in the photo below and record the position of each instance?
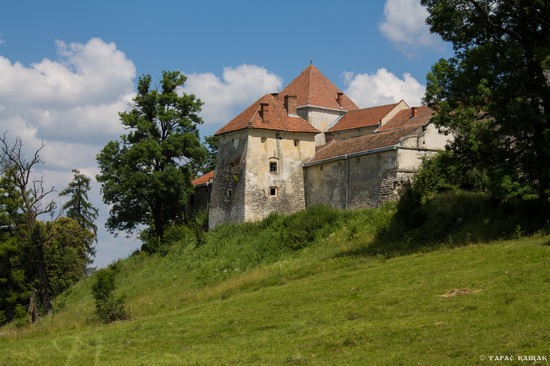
(455, 219)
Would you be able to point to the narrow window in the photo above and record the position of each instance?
(228, 193)
(272, 191)
(273, 167)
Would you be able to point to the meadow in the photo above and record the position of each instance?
(320, 287)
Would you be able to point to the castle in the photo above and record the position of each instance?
(310, 144)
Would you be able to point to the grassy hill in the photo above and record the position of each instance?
(321, 287)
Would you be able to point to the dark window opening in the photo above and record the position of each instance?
(273, 166)
(272, 191)
(228, 193)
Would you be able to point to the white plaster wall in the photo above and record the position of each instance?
(290, 150)
(321, 119)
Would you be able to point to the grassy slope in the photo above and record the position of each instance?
(251, 295)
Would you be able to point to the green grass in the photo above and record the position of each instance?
(272, 294)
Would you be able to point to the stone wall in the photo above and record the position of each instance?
(350, 183)
(228, 188)
(279, 189)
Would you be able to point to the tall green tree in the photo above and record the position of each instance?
(79, 207)
(495, 92)
(18, 171)
(146, 176)
(13, 284)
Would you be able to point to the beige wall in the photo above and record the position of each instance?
(289, 150)
(321, 119)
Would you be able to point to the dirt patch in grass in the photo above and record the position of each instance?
(458, 292)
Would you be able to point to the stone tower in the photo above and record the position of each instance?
(259, 169)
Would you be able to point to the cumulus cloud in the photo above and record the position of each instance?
(383, 87)
(405, 25)
(226, 96)
(70, 105)
(73, 101)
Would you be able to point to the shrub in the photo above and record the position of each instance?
(21, 316)
(108, 308)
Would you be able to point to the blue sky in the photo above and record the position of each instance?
(68, 67)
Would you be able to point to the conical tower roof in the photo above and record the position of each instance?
(312, 88)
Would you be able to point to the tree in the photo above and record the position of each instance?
(210, 162)
(17, 170)
(65, 252)
(13, 286)
(79, 207)
(146, 176)
(494, 92)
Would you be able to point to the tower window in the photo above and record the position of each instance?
(272, 191)
(228, 193)
(273, 167)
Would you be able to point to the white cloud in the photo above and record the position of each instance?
(71, 105)
(227, 96)
(405, 25)
(383, 87)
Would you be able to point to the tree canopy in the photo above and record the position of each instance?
(494, 92)
(79, 207)
(146, 176)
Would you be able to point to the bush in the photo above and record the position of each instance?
(108, 308)
(21, 316)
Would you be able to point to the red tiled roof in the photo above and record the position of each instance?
(278, 118)
(362, 118)
(337, 148)
(312, 88)
(404, 118)
(203, 179)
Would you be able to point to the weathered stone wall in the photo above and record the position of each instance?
(352, 183)
(228, 188)
(281, 190)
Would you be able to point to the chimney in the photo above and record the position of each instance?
(290, 105)
(414, 112)
(264, 112)
(339, 98)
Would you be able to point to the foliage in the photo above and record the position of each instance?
(210, 162)
(48, 256)
(108, 307)
(17, 170)
(66, 253)
(21, 316)
(79, 207)
(146, 176)
(494, 91)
